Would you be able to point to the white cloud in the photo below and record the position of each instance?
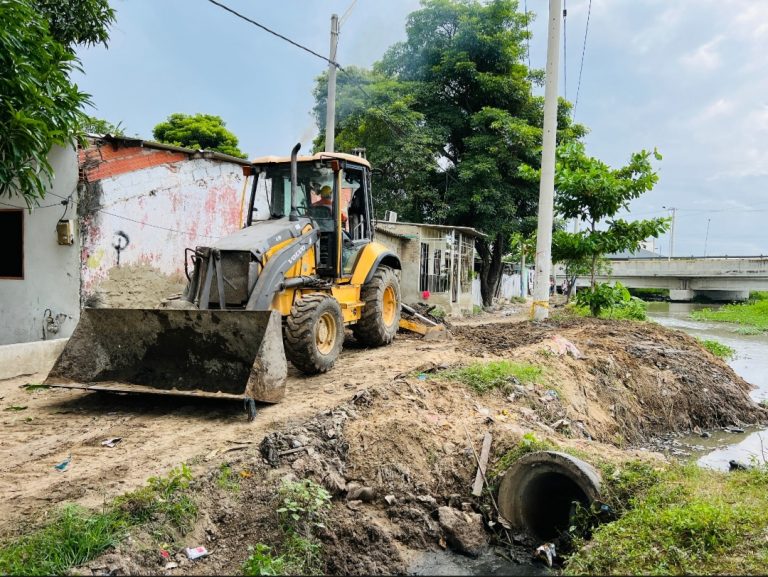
(706, 57)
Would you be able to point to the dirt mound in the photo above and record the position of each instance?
(633, 380)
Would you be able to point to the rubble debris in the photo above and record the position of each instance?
(477, 487)
(196, 552)
(64, 465)
(464, 531)
(546, 552)
(111, 442)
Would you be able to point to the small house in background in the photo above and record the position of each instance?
(438, 262)
(111, 231)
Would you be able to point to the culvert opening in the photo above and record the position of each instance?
(547, 504)
(537, 492)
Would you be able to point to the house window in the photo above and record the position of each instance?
(12, 243)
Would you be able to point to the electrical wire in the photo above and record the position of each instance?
(581, 66)
(269, 30)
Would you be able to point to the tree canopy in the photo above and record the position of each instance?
(39, 105)
(447, 117)
(592, 191)
(198, 131)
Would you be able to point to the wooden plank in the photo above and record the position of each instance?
(477, 488)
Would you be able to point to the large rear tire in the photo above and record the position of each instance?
(313, 333)
(380, 318)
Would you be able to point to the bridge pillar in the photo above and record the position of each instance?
(724, 295)
(681, 295)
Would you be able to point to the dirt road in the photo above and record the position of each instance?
(157, 433)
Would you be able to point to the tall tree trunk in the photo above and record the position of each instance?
(593, 270)
(490, 267)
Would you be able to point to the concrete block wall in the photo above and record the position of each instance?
(153, 204)
(51, 271)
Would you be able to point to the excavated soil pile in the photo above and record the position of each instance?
(632, 380)
(399, 457)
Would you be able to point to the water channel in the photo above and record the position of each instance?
(750, 362)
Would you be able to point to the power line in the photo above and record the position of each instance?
(143, 223)
(266, 29)
(581, 66)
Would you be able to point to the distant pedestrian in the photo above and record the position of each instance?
(551, 286)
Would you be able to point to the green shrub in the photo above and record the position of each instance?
(717, 349)
(502, 375)
(262, 562)
(227, 480)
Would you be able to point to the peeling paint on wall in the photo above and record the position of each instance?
(162, 209)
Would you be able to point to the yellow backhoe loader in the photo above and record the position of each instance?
(284, 286)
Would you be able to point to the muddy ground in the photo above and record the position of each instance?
(383, 419)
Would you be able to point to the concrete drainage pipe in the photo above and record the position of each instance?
(537, 491)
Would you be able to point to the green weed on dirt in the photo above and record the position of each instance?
(690, 521)
(227, 479)
(502, 375)
(304, 508)
(752, 314)
(77, 535)
(718, 349)
(74, 537)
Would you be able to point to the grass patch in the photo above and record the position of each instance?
(688, 521)
(15, 408)
(502, 375)
(477, 309)
(32, 387)
(77, 535)
(164, 504)
(74, 537)
(304, 508)
(717, 349)
(753, 314)
(227, 479)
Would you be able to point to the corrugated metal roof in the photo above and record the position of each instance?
(463, 229)
(126, 141)
(318, 156)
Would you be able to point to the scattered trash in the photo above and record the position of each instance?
(422, 377)
(546, 552)
(562, 346)
(245, 474)
(733, 429)
(477, 487)
(734, 465)
(171, 565)
(504, 523)
(390, 499)
(64, 465)
(111, 442)
(15, 408)
(165, 554)
(196, 552)
(705, 435)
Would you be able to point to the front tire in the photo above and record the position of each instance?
(380, 318)
(314, 333)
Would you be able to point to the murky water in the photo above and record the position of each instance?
(750, 362)
(448, 563)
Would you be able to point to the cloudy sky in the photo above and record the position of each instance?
(689, 77)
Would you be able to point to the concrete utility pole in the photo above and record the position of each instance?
(547, 183)
(330, 112)
(706, 237)
(671, 232)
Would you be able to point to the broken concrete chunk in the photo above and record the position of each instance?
(464, 531)
(428, 500)
(390, 499)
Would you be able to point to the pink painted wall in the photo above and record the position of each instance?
(155, 212)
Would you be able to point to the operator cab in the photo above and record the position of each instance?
(333, 192)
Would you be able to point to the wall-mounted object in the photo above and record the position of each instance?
(65, 231)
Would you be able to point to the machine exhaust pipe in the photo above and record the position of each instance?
(294, 215)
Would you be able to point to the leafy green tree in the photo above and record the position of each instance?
(77, 22)
(198, 131)
(39, 105)
(93, 125)
(450, 119)
(592, 191)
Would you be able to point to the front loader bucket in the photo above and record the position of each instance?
(205, 353)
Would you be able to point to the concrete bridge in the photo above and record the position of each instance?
(716, 277)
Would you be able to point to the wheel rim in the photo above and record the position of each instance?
(389, 307)
(325, 333)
